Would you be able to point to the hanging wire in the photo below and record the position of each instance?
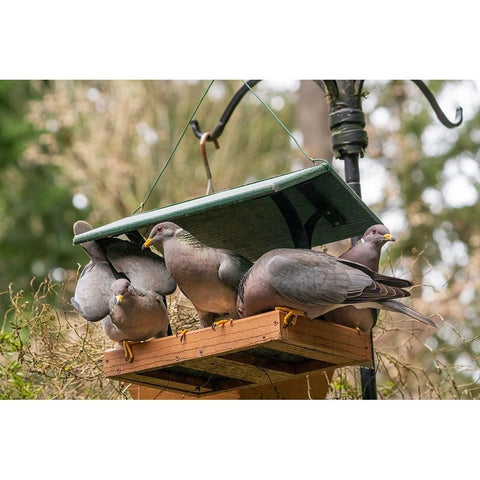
(308, 157)
(142, 205)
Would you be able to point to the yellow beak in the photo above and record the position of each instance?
(389, 238)
(147, 243)
(119, 298)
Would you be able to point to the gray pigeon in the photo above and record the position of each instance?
(145, 270)
(111, 260)
(313, 283)
(92, 292)
(208, 277)
(366, 252)
(135, 316)
(368, 249)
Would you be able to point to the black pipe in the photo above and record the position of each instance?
(367, 375)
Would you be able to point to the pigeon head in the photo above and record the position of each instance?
(379, 234)
(120, 288)
(161, 232)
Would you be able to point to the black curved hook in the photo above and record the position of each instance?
(226, 114)
(436, 108)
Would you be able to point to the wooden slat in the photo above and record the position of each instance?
(273, 367)
(330, 337)
(162, 384)
(162, 352)
(249, 357)
(315, 353)
(248, 372)
(293, 389)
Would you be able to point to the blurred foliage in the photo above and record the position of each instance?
(92, 150)
(36, 211)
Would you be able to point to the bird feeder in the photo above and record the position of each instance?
(253, 357)
(256, 357)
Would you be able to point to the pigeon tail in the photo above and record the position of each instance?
(394, 306)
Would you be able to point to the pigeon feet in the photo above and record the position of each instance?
(291, 316)
(127, 347)
(221, 322)
(182, 334)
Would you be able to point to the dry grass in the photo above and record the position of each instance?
(51, 353)
(408, 368)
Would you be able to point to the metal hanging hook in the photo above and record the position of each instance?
(203, 150)
(226, 114)
(436, 108)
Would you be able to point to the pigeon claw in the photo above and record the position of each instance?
(221, 322)
(182, 334)
(127, 347)
(291, 316)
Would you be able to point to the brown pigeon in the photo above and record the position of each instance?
(208, 277)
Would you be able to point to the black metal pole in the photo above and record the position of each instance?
(367, 375)
(349, 141)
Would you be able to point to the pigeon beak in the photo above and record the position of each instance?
(389, 238)
(118, 298)
(147, 243)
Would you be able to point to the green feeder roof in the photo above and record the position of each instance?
(308, 207)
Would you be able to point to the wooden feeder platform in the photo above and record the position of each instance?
(240, 356)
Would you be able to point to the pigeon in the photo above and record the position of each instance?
(368, 249)
(208, 277)
(145, 270)
(92, 292)
(134, 316)
(367, 252)
(112, 260)
(310, 283)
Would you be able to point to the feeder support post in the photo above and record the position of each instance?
(349, 141)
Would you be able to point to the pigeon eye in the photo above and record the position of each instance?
(374, 230)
